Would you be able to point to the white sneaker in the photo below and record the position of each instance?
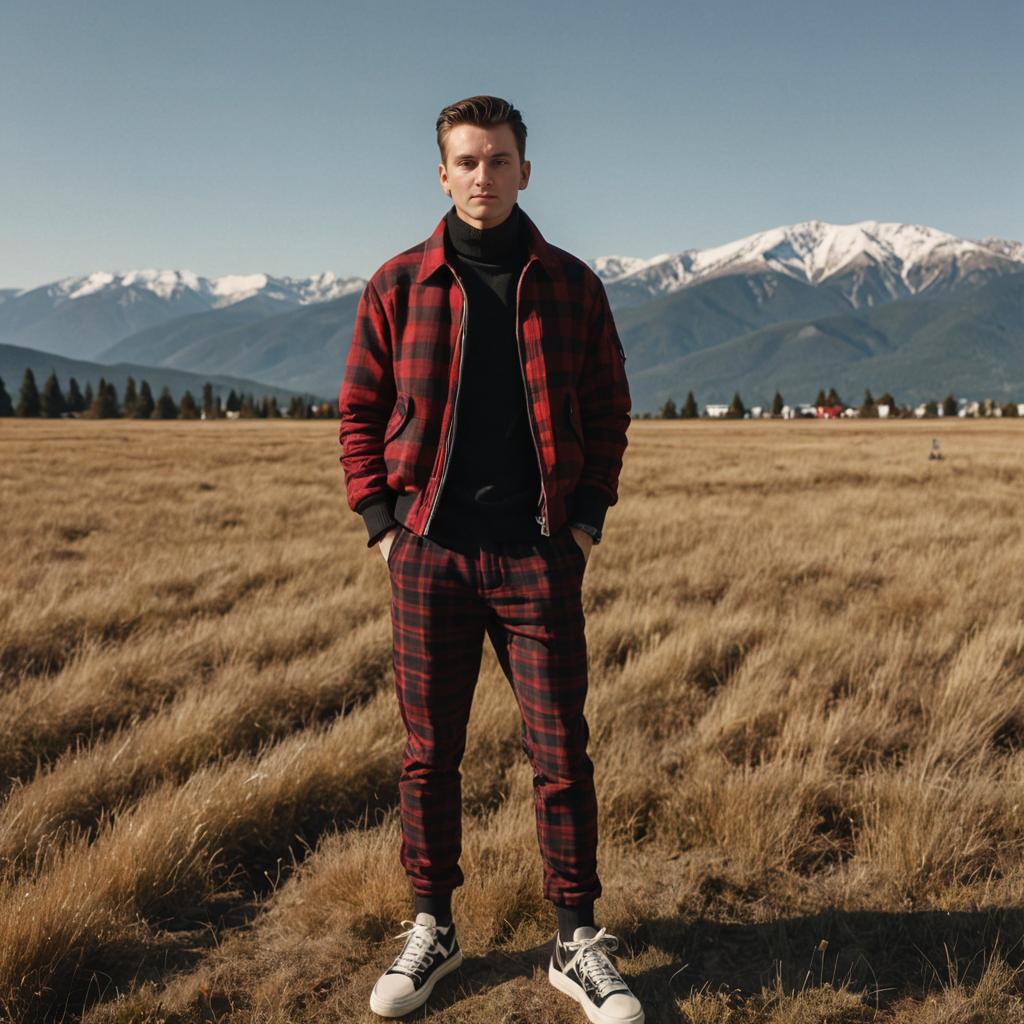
(430, 953)
(581, 969)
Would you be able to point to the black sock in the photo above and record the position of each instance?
(440, 906)
(571, 918)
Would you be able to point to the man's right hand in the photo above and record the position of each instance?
(386, 540)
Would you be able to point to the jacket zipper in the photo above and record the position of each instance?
(542, 518)
(455, 404)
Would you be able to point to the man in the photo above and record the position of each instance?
(484, 411)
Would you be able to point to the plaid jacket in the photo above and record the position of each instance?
(398, 397)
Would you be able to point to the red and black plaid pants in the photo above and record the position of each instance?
(527, 597)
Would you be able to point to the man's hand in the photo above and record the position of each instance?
(386, 540)
(584, 540)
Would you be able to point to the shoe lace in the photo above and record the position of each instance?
(594, 963)
(422, 941)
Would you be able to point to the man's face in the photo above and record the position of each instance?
(482, 173)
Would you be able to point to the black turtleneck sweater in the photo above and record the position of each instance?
(492, 486)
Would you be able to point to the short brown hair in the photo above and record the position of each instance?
(485, 111)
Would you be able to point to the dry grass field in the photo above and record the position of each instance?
(806, 645)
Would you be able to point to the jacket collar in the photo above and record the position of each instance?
(435, 256)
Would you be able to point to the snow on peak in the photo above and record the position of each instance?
(77, 287)
(811, 251)
(326, 286)
(238, 284)
(216, 292)
(1004, 247)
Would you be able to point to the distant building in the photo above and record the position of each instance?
(716, 411)
(828, 412)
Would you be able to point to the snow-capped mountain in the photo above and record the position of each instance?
(869, 262)
(81, 316)
(218, 292)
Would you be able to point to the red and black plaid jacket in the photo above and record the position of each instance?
(397, 398)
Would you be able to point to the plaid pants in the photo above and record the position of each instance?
(526, 596)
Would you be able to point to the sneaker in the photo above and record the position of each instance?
(430, 952)
(581, 969)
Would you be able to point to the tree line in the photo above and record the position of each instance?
(138, 402)
(830, 399)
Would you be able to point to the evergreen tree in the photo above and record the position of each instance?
(188, 408)
(668, 410)
(931, 409)
(777, 404)
(821, 399)
(297, 408)
(888, 400)
(833, 397)
(275, 411)
(6, 406)
(245, 407)
(689, 410)
(131, 397)
(736, 408)
(218, 410)
(145, 405)
(165, 407)
(75, 401)
(208, 407)
(104, 405)
(949, 405)
(51, 403)
(115, 409)
(98, 397)
(233, 404)
(1010, 409)
(87, 397)
(29, 404)
(264, 407)
(868, 409)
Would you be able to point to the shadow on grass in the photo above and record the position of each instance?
(879, 957)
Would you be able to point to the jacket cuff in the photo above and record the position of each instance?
(378, 515)
(589, 505)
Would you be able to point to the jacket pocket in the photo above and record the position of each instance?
(571, 453)
(399, 416)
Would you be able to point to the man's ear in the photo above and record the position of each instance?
(443, 176)
(524, 177)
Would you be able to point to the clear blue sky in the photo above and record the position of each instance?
(292, 138)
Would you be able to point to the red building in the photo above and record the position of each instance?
(829, 412)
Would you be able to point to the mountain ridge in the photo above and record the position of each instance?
(688, 321)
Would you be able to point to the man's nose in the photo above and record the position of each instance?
(483, 174)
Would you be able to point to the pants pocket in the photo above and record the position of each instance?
(395, 541)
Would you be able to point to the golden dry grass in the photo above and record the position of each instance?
(806, 647)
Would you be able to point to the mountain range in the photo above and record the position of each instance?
(887, 306)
